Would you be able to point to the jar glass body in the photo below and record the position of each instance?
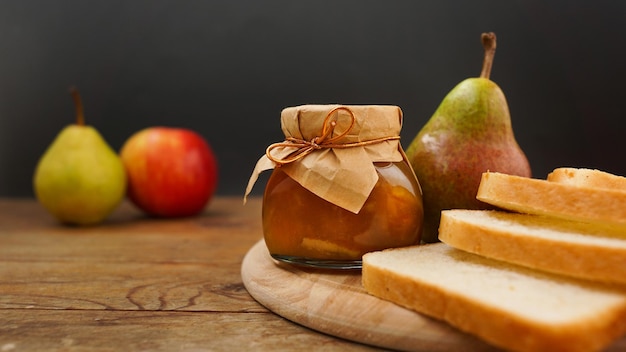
(302, 228)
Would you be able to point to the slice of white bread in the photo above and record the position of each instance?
(509, 306)
(562, 200)
(587, 178)
(590, 251)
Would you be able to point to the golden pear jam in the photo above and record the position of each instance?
(300, 227)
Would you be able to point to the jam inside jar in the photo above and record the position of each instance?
(301, 228)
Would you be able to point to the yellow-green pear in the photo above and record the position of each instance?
(79, 179)
(469, 133)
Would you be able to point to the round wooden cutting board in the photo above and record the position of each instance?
(334, 302)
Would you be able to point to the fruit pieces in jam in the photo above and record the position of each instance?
(303, 227)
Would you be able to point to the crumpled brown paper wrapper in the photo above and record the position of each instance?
(342, 176)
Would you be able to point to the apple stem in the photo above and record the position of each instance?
(489, 44)
(78, 105)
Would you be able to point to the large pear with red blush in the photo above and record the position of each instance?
(469, 133)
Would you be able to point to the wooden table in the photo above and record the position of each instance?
(137, 283)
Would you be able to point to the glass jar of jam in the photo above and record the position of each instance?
(306, 218)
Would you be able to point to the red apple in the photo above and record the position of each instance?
(172, 172)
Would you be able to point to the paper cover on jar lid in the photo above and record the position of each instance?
(330, 149)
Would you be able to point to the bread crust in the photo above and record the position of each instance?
(561, 200)
(582, 250)
(582, 177)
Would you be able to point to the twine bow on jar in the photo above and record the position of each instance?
(304, 147)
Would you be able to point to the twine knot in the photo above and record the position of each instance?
(304, 147)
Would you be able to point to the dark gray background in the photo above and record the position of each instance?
(227, 68)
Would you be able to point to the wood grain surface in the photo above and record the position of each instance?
(136, 283)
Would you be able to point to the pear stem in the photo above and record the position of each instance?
(489, 44)
(78, 105)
